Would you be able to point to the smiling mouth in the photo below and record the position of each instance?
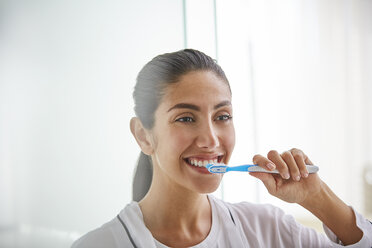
(198, 162)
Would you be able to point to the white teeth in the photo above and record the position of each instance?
(202, 163)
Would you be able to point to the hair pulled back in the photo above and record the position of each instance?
(151, 83)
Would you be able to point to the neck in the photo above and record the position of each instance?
(176, 215)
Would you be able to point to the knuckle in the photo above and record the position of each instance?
(286, 155)
(296, 150)
(298, 156)
(256, 157)
(271, 154)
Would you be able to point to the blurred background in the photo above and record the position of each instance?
(300, 73)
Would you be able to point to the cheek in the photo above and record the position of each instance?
(174, 140)
(180, 138)
(229, 138)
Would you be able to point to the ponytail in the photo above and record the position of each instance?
(142, 177)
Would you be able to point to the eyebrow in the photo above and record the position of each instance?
(197, 108)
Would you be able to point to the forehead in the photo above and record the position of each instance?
(197, 87)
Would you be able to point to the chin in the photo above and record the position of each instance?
(209, 191)
(208, 187)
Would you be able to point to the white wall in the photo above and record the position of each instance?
(67, 69)
(300, 75)
(299, 71)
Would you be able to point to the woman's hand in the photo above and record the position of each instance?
(294, 184)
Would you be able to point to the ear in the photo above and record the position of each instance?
(141, 135)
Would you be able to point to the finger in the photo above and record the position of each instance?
(281, 166)
(263, 162)
(267, 179)
(306, 158)
(308, 161)
(292, 165)
(299, 157)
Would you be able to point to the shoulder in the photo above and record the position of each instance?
(103, 236)
(111, 235)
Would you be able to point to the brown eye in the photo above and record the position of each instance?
(185, 119)
(224, 118)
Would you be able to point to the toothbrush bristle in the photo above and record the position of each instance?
(216, 168)
(208, 165)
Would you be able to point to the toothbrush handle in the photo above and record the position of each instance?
(241, 167)
(310, 168)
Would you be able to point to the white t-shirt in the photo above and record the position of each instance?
(233, 225)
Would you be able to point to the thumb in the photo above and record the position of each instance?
(267, 179)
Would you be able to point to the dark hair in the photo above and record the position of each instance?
(151, 83)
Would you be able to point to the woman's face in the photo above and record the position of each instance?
(193, 127)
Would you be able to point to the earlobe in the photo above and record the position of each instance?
(141, 135)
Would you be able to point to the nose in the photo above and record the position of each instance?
(207, 136)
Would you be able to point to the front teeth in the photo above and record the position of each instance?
(202, 163)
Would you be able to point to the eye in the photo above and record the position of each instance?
(224, 117)
(185, 119)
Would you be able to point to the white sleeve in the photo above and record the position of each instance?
(307, 237)
(110, 235)
(273, 228)
(96, 239)
(363, 224)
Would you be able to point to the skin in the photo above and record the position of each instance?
(294, 185)
(200, 129)
(203, 129)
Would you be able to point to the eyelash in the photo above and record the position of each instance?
(183, 119)
(190, 119)
(224, 117)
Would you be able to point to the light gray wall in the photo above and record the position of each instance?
(299, 71)
(67, 69)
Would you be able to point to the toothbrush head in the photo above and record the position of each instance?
(216, 168)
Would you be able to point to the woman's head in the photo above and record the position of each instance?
(164, 70)
(183, 105)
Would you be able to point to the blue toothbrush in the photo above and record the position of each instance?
(222, 168)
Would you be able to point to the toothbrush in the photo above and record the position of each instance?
(222, 168)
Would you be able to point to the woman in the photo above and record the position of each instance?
(184, 121)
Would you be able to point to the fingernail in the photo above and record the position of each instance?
(305, 174)
(286, 176)
(271, 166)
(297, 178)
